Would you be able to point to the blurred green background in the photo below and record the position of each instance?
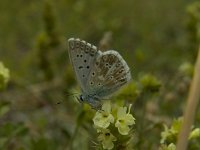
(154, 37)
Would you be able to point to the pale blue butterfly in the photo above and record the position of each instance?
(99, 74)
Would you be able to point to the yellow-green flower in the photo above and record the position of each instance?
(165, 134)
(124, 120)
(4, 75)
(195, 133)
(107, 139)
(171, 147)
(103, 117)
(170, 134)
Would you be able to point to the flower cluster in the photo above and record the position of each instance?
(122, 120)
(169, 135)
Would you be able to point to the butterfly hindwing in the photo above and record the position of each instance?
(109, 73)
(82, 56)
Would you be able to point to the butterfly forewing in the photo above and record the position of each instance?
(83, 56)
(109, 73)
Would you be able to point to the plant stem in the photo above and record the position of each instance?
(192, 103)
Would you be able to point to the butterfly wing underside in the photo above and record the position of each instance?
(82, 56)
(110, 72)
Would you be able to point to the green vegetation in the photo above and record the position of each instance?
(38, 105)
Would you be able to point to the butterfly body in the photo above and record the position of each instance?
(92, 100)
(99, 74)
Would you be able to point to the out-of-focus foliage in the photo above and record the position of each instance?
(194, 22)
(149, 82)
(38, 106)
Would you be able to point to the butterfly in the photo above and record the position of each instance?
(98, 73)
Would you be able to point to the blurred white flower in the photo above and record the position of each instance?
(103, 117)
(107, 139)
(124, 120)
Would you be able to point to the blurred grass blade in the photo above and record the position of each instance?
(192, 103)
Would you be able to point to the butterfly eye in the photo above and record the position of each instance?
(81, 98)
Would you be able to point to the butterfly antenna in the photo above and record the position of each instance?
(67, 94)
(60, 101)
(71, 94)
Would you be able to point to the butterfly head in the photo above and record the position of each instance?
(91, 100)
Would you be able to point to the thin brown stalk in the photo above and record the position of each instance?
(192, 103)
